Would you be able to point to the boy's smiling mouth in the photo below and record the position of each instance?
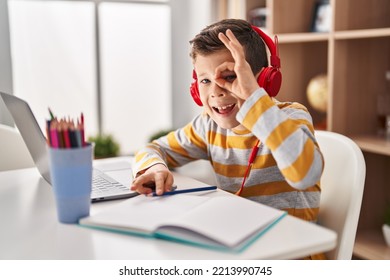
(223, 110)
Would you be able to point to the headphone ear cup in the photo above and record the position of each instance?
(194, 90)
(270, 79)
(195, 93)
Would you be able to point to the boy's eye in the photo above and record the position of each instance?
(230, 78)
(205, 81)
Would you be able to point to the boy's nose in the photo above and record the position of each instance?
(217, 91)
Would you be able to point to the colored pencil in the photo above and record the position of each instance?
(54, 134)
(64, 133)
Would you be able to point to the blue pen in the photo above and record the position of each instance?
(209, 188)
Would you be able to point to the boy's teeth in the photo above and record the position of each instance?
(224, 107)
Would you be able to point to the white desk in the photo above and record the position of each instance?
(29, 230)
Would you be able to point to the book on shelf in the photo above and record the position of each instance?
(225, 222)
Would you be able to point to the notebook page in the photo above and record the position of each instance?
(144, 214)
(229, 220)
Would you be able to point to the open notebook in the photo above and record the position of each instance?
(110, 181)
(226, 222)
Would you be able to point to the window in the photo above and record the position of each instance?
(55, 64)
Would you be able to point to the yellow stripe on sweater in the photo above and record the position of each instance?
(175, 145)
(234, 170)
(233, 142)
(260, 106)
(194, 137)
(302, 163)
(139, 156)
(273, 188)
(148, 163)
(280, 134)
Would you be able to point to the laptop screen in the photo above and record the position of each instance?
(30, 131)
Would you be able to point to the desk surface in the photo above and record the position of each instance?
(29, 230)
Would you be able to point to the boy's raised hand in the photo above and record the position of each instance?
(245, 83)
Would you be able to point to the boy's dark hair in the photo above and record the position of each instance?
(207, 42)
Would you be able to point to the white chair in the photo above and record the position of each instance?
(13, 151)
(342, 185)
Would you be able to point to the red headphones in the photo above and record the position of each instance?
(270, 78)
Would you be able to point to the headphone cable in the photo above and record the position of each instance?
(251, 159)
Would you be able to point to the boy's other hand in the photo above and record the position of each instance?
(245, 83)
(157, 178)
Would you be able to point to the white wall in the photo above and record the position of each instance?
(5, 61)
(188, 18)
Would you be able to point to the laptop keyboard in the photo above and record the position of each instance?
(102, 183)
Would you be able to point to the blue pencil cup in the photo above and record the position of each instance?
(71, 174)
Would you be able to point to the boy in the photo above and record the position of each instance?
(238, 116)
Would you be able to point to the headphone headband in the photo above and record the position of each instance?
(273, 47)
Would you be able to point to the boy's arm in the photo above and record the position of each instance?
(175, 149)
(288, 133)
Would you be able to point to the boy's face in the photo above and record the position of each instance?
(220, 104)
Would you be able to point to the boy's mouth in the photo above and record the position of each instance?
(224, 109)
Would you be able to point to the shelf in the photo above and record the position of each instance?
(363, 33)
(370, 244)
(338, 35)
(373, 144)
(302, 37)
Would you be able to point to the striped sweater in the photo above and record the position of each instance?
(286, 171)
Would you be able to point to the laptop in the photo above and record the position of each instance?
(110, 180)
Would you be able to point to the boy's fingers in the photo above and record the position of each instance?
(160, 183)
(234, 46)
(225, 66)
(228, 43)
(231, 37)
(231, 42)
(143, 184)
(223, 38)
(140, 189)
(224, 84)
(168, 183)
